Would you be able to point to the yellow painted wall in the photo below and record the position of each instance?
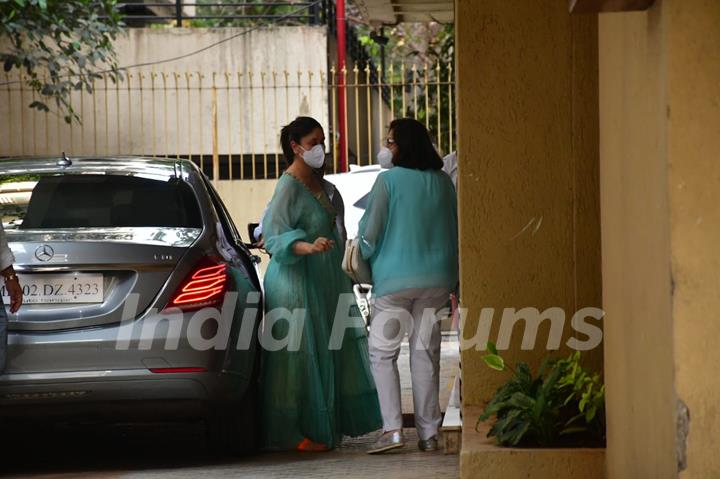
(528, 155)
(660, 118)
(636, 253)
(527, 149)
(693, 129)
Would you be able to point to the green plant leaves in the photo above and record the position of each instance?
(39, 106)
(494, 361)
(563, 399)
(511, 429)
(521, 401)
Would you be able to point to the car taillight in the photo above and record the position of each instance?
(204, 286)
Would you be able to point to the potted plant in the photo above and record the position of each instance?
(562, 405)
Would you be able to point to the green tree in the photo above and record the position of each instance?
(60, 46)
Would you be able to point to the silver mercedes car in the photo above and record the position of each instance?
(141, 300)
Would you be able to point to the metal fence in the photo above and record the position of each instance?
(229, 122)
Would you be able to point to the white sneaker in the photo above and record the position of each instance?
(388, 441)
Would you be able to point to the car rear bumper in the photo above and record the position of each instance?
(108, 412)
(86, 392)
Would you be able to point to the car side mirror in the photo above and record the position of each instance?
(253, 243)
(251, 231)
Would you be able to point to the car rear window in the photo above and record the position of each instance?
(96, 201)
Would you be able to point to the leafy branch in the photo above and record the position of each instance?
(60, 46)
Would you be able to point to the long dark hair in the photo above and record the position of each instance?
(295, 131)
(415, 148)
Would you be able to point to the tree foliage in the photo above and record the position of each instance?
(428, 46)
(419, 43)
(59, 46)
(252, 13)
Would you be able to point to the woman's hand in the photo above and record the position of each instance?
(320, 245)
(16, 294)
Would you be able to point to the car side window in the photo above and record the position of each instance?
(225, 220)
(231, 233)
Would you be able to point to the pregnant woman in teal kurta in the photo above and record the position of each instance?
(312, 394)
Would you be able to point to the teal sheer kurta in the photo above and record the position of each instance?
(409, 231)
(312, 392)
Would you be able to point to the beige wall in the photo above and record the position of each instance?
(528, 163)
(636, 251)
(661, 227)
(246, 202)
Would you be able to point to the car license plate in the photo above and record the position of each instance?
(59, 288)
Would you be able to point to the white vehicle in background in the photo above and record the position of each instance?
(355, 186)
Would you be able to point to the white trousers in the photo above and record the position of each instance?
(413, 312)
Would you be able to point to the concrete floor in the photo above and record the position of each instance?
(178, 450)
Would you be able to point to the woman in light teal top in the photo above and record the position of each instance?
(409, 229)
(312, 394)
(409, 235)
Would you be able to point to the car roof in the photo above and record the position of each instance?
(139, 165)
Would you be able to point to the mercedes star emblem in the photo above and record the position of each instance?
(44, 253)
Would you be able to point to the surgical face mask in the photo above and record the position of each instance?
(314, 157)
(385, 157)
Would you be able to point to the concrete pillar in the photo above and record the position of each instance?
(660, 175)
(528, 163)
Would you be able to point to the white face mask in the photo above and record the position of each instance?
(314, 157)
(385, 157)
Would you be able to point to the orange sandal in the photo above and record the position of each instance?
(306, 445)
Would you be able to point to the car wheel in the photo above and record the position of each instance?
(232, 427)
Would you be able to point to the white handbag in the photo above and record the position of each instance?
(354, 264)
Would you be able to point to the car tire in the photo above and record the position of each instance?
(232, 428)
